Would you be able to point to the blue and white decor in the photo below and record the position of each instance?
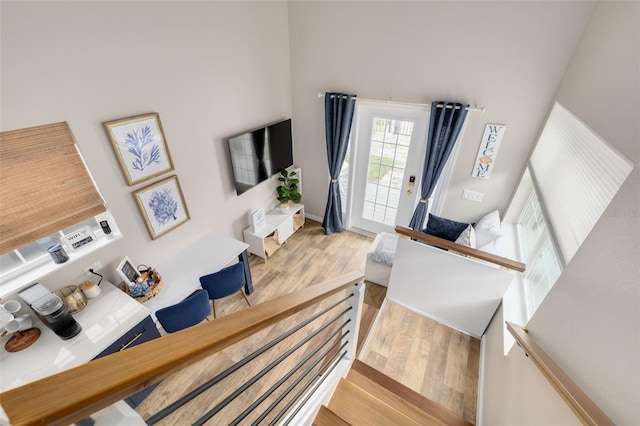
(162, 206)
(488, 150)
(140, 146)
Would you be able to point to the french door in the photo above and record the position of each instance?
(385, 164)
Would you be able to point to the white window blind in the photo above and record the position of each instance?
(577, 174)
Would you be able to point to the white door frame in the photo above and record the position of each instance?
(361, 133)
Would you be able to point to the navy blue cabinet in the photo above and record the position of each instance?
(144, 331)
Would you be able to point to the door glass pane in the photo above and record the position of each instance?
(377, 133)
(370, 194)
(396, 178)
(387, 163)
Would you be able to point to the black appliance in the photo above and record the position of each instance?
(51, 310)
(258, 154)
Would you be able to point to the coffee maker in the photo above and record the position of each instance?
(51, 310)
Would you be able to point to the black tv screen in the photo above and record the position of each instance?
(259, 154)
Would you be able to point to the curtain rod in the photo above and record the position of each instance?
(474, 108)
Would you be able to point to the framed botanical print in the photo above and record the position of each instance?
(162, 206)
(140, 146)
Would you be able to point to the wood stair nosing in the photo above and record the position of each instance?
(326, 417)
(358, 407)
(403, 398)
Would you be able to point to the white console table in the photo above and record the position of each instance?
(181, 273)
(275, 232)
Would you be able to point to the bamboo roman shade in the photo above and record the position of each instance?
(44, 185)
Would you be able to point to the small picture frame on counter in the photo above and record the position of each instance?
(258, 219)
(127, 271)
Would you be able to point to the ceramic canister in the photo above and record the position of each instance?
(90, 289)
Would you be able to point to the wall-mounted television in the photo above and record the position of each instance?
(258, 154)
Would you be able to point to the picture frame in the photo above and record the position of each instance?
(140, 146)
(258, 219)
(127, 271)
(162, 206)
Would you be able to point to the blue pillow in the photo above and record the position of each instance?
(444, 228)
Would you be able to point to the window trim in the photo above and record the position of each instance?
(40, 268)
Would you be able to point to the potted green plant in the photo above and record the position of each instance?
(287, 191)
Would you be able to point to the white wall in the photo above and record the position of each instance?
(507, 56)
(590, 321)
(210, 69)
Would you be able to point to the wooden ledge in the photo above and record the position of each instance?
(582, 406)
(459, 248)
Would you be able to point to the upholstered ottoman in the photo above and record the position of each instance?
(380, 258)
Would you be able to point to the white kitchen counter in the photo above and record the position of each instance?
(104, 319)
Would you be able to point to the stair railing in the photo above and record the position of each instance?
(582, 406)
(459, 248)
(100, 383)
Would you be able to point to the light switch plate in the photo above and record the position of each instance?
(470, 195)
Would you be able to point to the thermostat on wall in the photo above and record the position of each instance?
(79, 238)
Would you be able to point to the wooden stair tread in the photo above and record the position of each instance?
(326, 417)
(358, 407)
(394, 393)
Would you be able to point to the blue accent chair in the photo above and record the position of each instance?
(191, 311)
(224, 283)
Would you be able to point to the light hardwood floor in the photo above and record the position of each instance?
(432, 359)
(308, 257)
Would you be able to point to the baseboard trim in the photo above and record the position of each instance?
(480, 398)
(312, 217)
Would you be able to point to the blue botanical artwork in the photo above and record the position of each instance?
(164, 206)
(140, 145)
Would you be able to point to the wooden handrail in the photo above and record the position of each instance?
(449, 245)
(104, 381)
(582, 406)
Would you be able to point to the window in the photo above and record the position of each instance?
(44, 185)
(572, 176)
(46, 192)
(33, 253)
(576, 173)
(32, 261)
(543, 268)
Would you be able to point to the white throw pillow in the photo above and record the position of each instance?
(495, 247)
(468, 237)
(488, 229)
